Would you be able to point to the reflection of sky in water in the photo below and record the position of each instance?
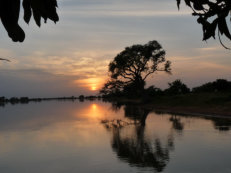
(68, 137)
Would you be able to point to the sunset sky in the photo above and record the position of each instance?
(72, 56)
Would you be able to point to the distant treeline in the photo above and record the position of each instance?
(177, 87)
(25, 100)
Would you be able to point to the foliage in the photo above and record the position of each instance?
(177, 87)
(220, 85)
(10, 10)
(153, 91)
(112, 88)
(81, 97)
(150, 93)
(132, 66)
(212, 15)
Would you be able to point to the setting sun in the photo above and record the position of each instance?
(93, 88)
(92, 84)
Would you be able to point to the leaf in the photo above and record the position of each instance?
(37, 17)
(27, 11)
(9, 12)
(198, 6)
(188, 3)
(222, 25)
(178, 3)
(210, 30)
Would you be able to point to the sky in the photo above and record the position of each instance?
(71, 57)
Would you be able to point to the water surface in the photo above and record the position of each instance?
(95, 136)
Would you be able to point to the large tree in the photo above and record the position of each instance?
(132, 66)
(10, 10)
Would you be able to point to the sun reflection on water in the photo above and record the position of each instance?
(94, 106)
(92, 112)
(95, 111)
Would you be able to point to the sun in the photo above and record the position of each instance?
(92, 84)
(93, 88)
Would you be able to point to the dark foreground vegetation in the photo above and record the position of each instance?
(212, 15)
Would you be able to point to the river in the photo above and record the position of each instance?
(104, 137)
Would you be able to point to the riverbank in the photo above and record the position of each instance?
(213, 104)
(196, 111)
(217, 104)
(200, 104)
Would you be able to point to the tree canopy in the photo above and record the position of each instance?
(177, 87)
(132, 66)
(10, 10)
(212, 15)
(220, 85)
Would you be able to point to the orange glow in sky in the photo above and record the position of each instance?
(92, 84)
(93, 88)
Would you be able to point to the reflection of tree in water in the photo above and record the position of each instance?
(137, 149)
(140, 151)
(116, 106)
(221, 124)
(176, 123)
(136, 113)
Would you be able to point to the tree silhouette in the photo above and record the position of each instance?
(212, 15)
(133, 65)
(220, 85)
(177, 87)
(10, 10)
(112, 88)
